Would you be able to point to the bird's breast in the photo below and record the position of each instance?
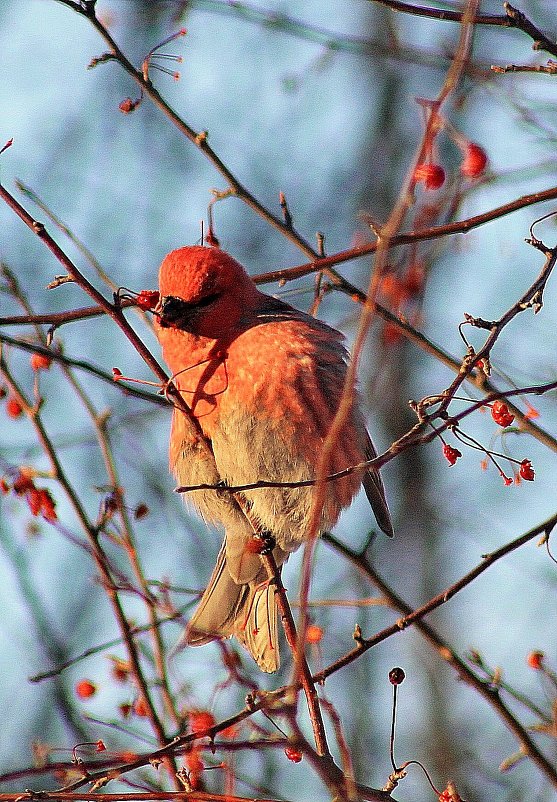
(202, 385)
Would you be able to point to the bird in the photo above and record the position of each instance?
(263, 380)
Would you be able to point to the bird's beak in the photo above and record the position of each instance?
(174, 312)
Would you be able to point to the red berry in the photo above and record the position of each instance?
(148, 299)
(85, 689)
(140, 707)
(13, 408)
(100, 747)
(127, 105)
(48, 506)
(501, 414)
(314, 634)
(535, 660)
(391, 333)
(431, 175)
(396, 676)
(394, 290)
(414, 279)
(40, 362)
(293, 754)
(474, 162)
(526, 471)
(195, 767)
(450, 794)
(201, 721)
(451, 454)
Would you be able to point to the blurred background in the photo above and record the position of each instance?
(317, 101)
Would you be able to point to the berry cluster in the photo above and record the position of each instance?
(39, 499)
(428, 171)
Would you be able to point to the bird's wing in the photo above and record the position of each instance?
(373, 485)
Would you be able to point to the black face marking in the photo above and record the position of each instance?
(179, 314)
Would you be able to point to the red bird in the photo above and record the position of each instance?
(264, 381)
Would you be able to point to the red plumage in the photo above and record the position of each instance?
(264, 381)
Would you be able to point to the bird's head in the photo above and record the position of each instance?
(203, 291)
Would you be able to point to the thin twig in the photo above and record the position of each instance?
(419, 434)
(197, 138)
(71, 362)
(57, 319)
(415, 617)
(129, 796)
(532, 298)
(512, 19)
(421, 235)
(113, 312)
(100, 647)
(303, 669)
(99, 556)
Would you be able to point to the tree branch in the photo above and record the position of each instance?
(414, 618)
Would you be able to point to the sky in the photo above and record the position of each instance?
(335, 131)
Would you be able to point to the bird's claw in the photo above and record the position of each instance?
(269, 542)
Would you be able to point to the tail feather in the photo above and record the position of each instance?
(248, 611)
(257, 628)
(219, 606)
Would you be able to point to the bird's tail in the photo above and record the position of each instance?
(247, 611)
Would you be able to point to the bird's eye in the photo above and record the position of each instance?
(177, 313)
(203, 302)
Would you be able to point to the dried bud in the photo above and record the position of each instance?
(128, 105)
(141, 511)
